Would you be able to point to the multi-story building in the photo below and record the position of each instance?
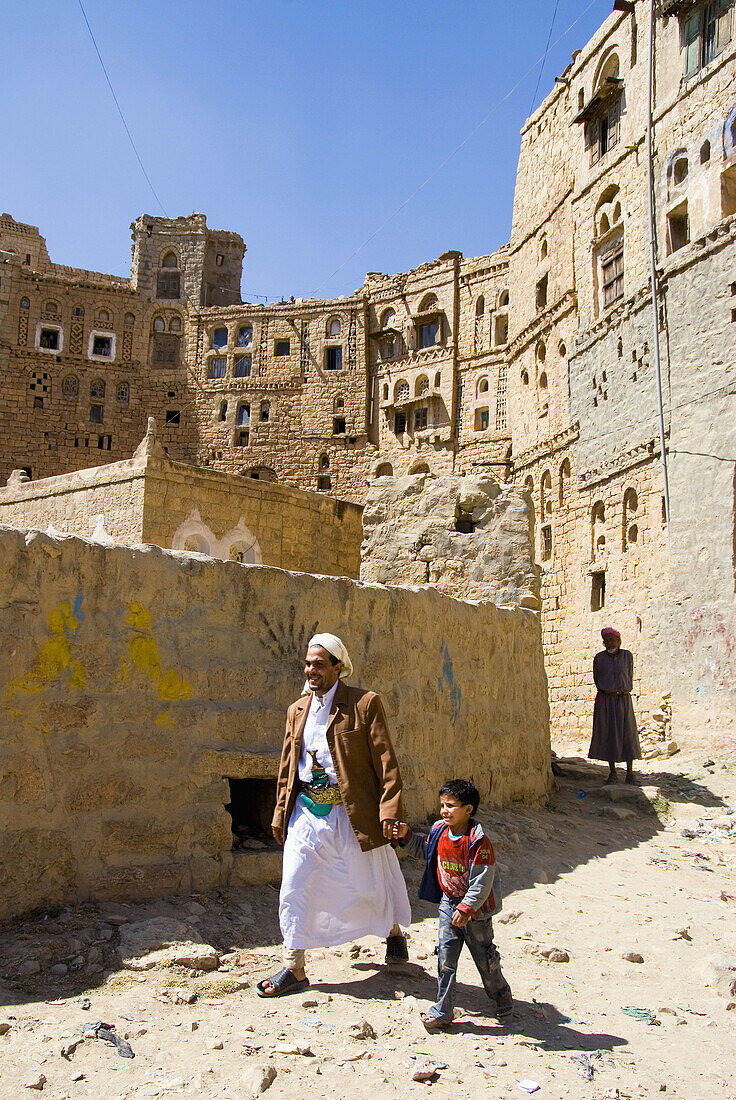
(536, 363)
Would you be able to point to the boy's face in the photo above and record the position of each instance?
(454, 813)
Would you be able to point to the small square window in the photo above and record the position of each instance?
(218, 367)
(242, 439)
(338, 425)
(283, 347)
(173, 416)
(242, 366)
(399, 422)
(49, 339)
(102, 345)
(219, 258)
(324, 484)
(38, 402)
(96, 413)
(333, 359)
(168, 285)
(420, 419)
(481, 420)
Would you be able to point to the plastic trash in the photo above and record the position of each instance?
(528, 1086)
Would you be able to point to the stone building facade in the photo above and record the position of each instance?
(534, 364)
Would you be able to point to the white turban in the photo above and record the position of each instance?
(333, 645)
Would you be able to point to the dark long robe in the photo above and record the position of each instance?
(615, 736)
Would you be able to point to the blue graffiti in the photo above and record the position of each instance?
(448, 677)
(78, 608)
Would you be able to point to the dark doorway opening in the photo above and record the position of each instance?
(251, 806)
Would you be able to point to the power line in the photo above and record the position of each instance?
(546, 51)
(457, 148)
(120, 112)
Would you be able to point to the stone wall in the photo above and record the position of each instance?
(150, 499)
(138, 679)
(465, 536)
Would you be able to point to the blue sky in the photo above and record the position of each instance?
(300, 124)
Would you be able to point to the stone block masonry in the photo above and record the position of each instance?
(138, 680)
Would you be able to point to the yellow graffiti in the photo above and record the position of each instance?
(55, 658)
(145, 657)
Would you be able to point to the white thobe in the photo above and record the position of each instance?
(331, 891)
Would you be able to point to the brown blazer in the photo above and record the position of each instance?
(365, 763)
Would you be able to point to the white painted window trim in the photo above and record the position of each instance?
(91, 343)
(57, 328)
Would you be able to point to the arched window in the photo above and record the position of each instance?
(543, 249)
(324, 462)
(402, 391)
(129, 319)
(482, 385)
(630, 533)
(97, 389)
(705, 152)
(51, 307)
(339, 404)
(385, 392)
(543, 383)
(223, 411)
(169, 260)
(529, 483)
(219, 338)
(103, 315)
(25, 304)
(564, 480)
(525, 378)
(122, 394)
(562, 349)
(422, 385)
(245, 336)
(334, 327)
(168, 280)
(385, 470)
(196, 544)
(480, 306)
(243, 418)
(598, 529)
(545, 494)
(428, 304)
(159, 325)
(541, 351)
(70, 386)
(419, 468)
(175, 324)
(387, 318)
(503, 299)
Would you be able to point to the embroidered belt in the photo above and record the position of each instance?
(320, 800)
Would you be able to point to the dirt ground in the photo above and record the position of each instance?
(593, 877)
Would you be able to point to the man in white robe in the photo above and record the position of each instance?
(338, 798)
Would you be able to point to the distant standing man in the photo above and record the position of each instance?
(615, 735)
(338, 797)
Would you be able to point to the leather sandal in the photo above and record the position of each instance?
(282, 983)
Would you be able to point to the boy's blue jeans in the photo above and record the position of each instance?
(478, 935)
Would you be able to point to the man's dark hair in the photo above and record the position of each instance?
(463, 790)
(333, 660)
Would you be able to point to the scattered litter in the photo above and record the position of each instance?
(585, 1061)
(580, 794)
(101, 1030)
(632, 957)
(528, 1086)
(85, 1003)
(316, 1022)
(424, 1070)
(644, 1014)
(134, 1019)
(291, 1048)
(363, 1030)
(684, 934)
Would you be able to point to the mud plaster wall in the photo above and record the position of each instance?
(136, 679)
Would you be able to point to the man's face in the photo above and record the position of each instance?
(319, 670)
(612, 643)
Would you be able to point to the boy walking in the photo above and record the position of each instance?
(460, 875)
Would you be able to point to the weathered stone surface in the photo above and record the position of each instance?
(257, 1079)
(153, 656)
(411, 536)
(163, 941)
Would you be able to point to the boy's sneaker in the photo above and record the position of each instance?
(504, 1005)
(433, 1024)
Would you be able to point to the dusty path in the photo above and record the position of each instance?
(587, 886)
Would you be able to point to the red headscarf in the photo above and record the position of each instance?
(610, 631)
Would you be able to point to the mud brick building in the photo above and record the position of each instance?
(534, 364)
